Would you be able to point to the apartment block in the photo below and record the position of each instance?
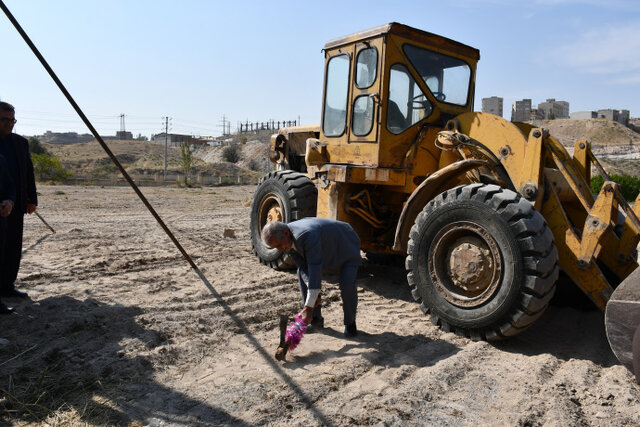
(553, 109)
(621, 116)
(521, 110)
(492, 105)
(577, 115)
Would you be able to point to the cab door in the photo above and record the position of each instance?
(365, 93)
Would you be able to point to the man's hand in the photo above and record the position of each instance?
(6, 207)
(31, 208)
(306, 314)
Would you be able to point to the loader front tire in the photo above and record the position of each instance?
(481, 262)
(283, 196)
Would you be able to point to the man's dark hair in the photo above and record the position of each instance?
(5, 106)
(274, 230)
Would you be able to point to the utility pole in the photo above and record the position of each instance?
(166, 141)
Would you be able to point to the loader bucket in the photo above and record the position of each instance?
(622, 322)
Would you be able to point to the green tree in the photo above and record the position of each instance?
(48, 167)
(629, 185)
(35, 146)
(186, 158)
(596, 184)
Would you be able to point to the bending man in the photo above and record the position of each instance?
(320, 245)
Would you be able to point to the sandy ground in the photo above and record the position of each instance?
(120, 330)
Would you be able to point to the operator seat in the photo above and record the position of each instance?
(396, 121)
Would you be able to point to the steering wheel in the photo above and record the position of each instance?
(419, 104)
(440, 96)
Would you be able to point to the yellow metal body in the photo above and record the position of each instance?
(380, 180)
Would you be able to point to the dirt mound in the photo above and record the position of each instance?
(254, 154)
(596, 131)
(615, 145)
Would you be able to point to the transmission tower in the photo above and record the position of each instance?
(226, 126)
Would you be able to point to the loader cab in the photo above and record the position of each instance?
(384, 84)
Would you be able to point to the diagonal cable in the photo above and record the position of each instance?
(277, 368)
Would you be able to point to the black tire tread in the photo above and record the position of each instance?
(539, 258)
(302, 194)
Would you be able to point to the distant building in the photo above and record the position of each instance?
(615, 115)
(65, 137)
(492, 105)
(537, 114)
(554, 109)
(608, 114)
(578, 115)
(624, 117)
(173, 139)
(124, 135)
(521, 110)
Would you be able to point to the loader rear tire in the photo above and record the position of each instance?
(481, 262)
(281, 196)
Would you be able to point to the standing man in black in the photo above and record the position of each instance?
(15, 150)
(7, 201)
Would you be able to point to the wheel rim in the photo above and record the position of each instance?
(270, 209)
(465, 264)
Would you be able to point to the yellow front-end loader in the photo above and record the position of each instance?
(486, 212)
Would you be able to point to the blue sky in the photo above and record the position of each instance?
(197, 61)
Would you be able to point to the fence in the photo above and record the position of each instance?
(157, 179)
(272, 125)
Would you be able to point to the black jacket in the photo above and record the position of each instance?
(7, 189)
(26, 186)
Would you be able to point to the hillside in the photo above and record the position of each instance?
(89, 159)
(617, 147)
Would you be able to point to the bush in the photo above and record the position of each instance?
(255, 164)
(231, 153)
(629, 185)
(48, 167)
(35, 147)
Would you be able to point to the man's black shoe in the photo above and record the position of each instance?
(4, 309)
(350, 331)
(316, 325)
(14, 293)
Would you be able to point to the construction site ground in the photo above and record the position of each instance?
(120, 330)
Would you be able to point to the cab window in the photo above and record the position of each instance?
(362, 121)
(336, 93)
(406, 103)
(366, 67)
(448, 78)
